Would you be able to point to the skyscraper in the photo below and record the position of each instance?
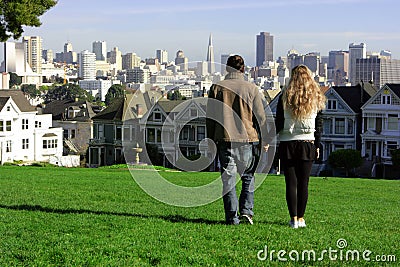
(115, 57)
(224, 59)
(162, 56)
(356, 51)
(87, 65)
(68, 55)
(264, 48)
(378, 70)
(181, 61)
(130, 60)
(210, 56)
(68, 47)
(33, 52)
(48, 55)
(338, 66)
(100, 49)
(15, 58)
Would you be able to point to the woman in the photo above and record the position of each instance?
(299, 130)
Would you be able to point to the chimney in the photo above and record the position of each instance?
(362, 92)
(5, 80)
(139, 110)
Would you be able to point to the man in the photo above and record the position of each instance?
(234, 113)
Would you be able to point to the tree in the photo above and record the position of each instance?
(115, 91)
(395, 157)
(17, 13)
(345, 158)
(14, 80)
(30, 89)
(67, 91)
(175, 95)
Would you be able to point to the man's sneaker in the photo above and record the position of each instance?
(294, 224)
(302, 223)
(247, 218)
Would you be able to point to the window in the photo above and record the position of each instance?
(184, 134)
(151, 135)
(8, 146)
(339, 126)
(24, 124)
(50, 143)
(38, 124)
(193, 112)
(133, 133)
(393, 122)
(157, 116)
(118, 132)
(391, 145)
(158, 136)
(8, 126)
(73, 133)
(332, 104)
(95, 131)
(201, 133)
(1, 126)
(327, 126)
(386, 99)
(8, 108)
(127, 133)
(100, 131)
(371, 123)
(25, 143)
(65, 133)
(191, 133)
(350, 126)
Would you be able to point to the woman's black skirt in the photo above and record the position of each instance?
(297, 149)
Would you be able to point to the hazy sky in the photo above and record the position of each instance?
(144, 26)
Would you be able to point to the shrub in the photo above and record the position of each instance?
(395, 157)
(345, 158)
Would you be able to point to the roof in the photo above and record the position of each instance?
(395, 87)
(58, 107)
(125, 108)
(271, 94)
(370, 88)
(354, 96)
(114, 111)
(324, 89)
(3, 101)
(19, 98)
(169, 105)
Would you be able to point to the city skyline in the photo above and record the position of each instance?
(177, 25)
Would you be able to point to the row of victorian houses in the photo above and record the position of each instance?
(358, 117)
(362, 118)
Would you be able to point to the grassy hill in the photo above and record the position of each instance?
(100, 217)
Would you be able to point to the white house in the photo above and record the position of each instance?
(381, 124)
(24, 134)
(339, 129)
(342, 117)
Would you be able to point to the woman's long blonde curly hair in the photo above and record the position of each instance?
(303, 95)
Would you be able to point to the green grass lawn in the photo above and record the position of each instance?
(100, 217)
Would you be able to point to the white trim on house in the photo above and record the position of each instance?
(381, 125)
(22, 139)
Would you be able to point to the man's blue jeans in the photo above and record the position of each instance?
(237, 158)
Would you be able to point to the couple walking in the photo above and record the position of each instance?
(237, 123)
